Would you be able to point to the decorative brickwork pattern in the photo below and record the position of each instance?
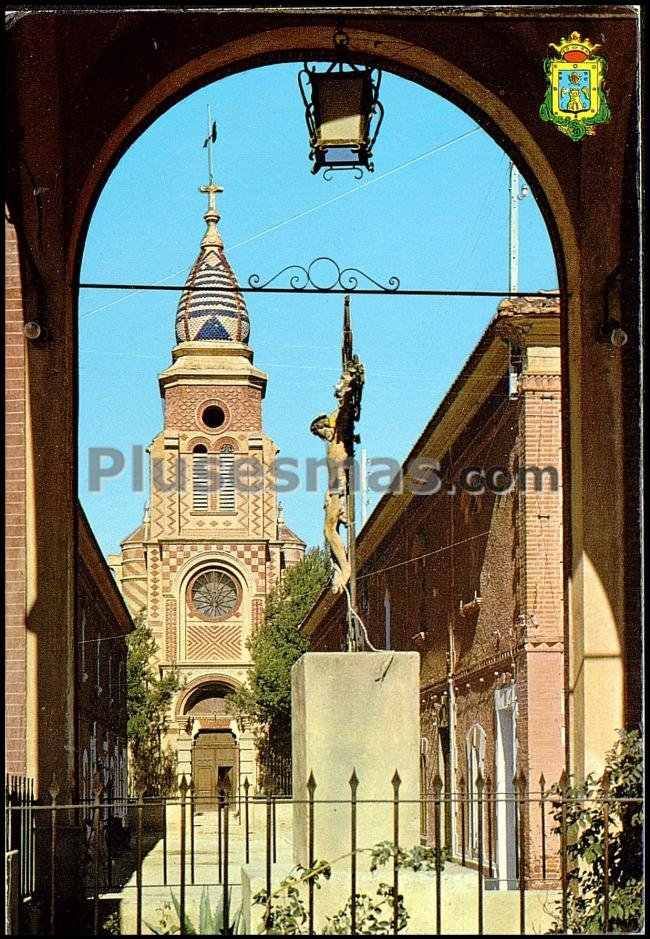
(170, 628)
(135, 594)
(154, 584)
(252, 555)
(214, 642)
(243, 404)
(258, 612)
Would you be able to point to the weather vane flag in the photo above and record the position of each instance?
(209, 140)
(575, 100)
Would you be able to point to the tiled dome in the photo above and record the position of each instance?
(218, 312)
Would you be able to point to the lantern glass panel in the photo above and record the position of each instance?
(340, 101)
(346, 155)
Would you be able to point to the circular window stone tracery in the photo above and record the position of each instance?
(214, 595)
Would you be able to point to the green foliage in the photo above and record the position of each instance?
(210, 920)
(585, 844)
(149, 696)
(285, 912)
(419, 858)
(265, 701)
(111, 926)
(374, 915)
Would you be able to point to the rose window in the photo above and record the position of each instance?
(215, 595)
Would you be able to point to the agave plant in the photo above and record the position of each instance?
(210, 919)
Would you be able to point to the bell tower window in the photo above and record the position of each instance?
(200, 477)
(227, 479)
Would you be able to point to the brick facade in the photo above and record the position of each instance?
(15, 542)
(474, 583)
(102, 623)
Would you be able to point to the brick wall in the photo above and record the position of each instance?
(242, 407)
(15, 558)
(540, 666)
(102, 624)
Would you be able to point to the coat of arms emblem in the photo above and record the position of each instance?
(575, 100)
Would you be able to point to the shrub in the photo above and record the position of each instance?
(622, 779)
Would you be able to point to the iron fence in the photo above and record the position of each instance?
(275, 774)
(228, 853)
(20, 833)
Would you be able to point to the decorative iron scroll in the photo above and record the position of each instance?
(346, 279)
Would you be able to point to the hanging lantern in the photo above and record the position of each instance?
(343, 112)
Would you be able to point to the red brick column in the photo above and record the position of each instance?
(15, 547)
(540, 669)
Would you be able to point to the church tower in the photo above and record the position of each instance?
(213, 540)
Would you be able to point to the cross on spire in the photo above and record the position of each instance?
(212, 238)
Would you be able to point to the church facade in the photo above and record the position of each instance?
(213, 542)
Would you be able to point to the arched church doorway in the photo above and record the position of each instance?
(215, 749)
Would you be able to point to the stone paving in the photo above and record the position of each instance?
(459, 884)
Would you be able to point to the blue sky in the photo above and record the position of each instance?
(434, 213)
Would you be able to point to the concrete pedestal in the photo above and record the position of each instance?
(355, 711)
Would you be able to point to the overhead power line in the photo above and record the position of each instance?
(379, 292)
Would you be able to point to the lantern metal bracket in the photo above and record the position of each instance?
(346, 279)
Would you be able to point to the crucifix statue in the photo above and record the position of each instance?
(337, 429)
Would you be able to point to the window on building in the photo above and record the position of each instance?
(387, 637)
(214, 595)
(227, 479)
(475, 763)
(213, 416)
(200, 477)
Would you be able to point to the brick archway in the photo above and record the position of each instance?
(138, 65)
(410, 61)
(195, 685)
(442, 75)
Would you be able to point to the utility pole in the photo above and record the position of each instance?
(517, 193)
(363, 485)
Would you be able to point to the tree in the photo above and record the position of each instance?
(264, 702)
(622, 788)
(149, 696)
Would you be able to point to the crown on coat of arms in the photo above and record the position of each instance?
(575, 49)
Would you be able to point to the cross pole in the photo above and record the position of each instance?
(354, 641)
